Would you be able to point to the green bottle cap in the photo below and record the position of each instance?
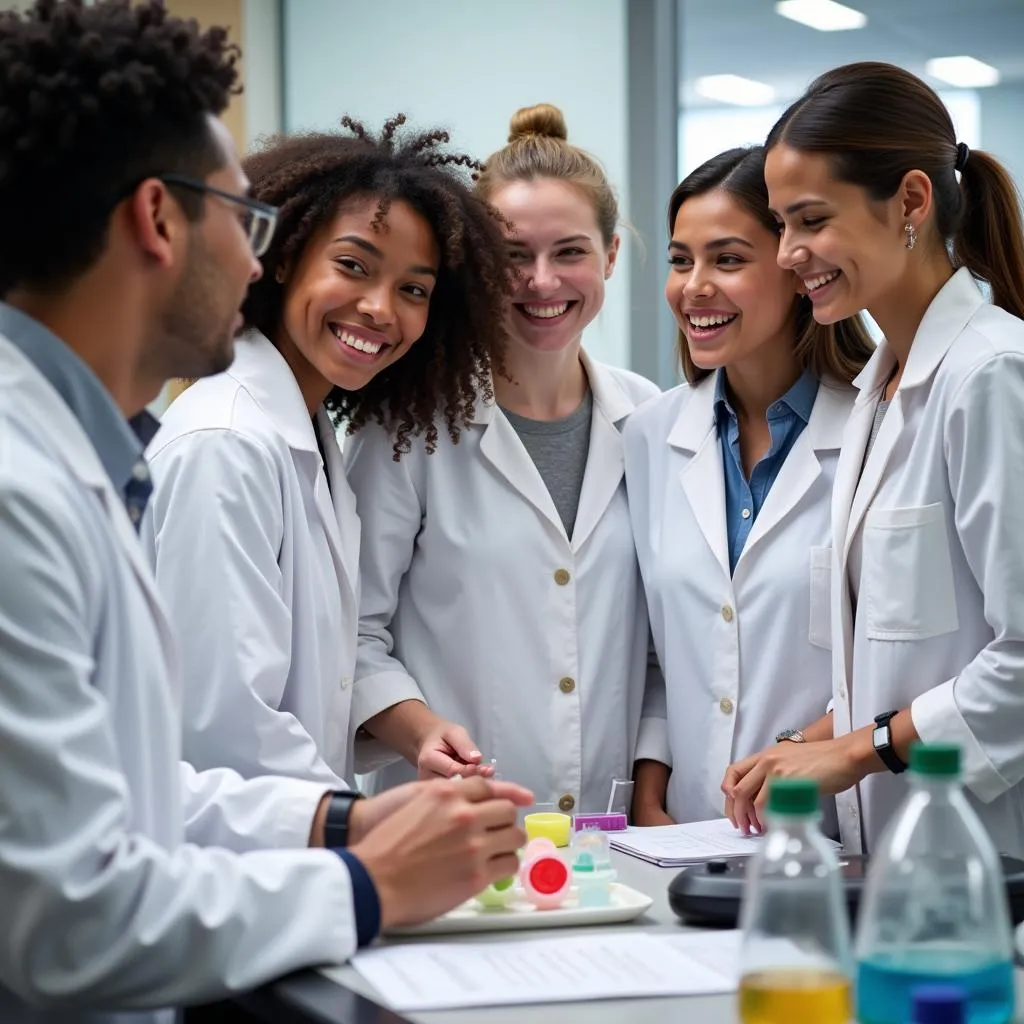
(793, 796)
(503, 883)
(935, 759)
(584, 864)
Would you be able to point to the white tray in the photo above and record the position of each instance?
(626, 904)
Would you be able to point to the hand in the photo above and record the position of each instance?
(447, 843)
(447, 750)
(652, 815)
(835, 765)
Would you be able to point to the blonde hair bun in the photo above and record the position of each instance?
(542, 119)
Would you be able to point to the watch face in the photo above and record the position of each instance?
(880, 737)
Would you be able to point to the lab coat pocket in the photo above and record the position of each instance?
(907, 591)
(820, 629)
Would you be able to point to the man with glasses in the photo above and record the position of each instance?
(129, 882)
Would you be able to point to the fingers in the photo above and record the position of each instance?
(759, 803)
(735, 772)
(458, 739)
(435, 764)
(745, 793)
(518, 795)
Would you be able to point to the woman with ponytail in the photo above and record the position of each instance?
(881, 208)
(500, 582)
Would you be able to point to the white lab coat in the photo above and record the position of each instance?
(104, 900)
(937, 517)
(463, 551)
(744, 655)
(257, 563)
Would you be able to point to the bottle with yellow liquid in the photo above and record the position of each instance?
(795, 962)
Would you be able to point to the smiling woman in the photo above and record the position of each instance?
(380, 299)
(500, 582)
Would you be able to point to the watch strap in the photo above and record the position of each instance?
(339, 811)
(881, 739)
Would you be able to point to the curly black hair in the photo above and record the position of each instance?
(310, 177)
(94, 100)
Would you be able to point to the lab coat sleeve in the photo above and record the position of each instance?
(391, 512)
(266, 813)
(95, 914)
(653, 736)
(652, 741)
(982, 709)
(213, 534)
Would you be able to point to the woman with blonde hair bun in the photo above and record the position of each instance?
(500, 582)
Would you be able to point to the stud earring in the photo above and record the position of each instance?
(279, 276)
(911, 233)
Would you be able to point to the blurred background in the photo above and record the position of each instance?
(651, 87)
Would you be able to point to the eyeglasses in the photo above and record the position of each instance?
(258, 220)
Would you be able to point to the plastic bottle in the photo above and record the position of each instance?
(939, 1004)
(795, 957)
(934, 908)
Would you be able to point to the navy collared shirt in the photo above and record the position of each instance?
(119, 443)
(787, 418)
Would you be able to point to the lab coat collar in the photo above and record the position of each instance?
(610, 397)
(703, 477)
(53, 419)
(696, 419)
(957, 301)
(265, 374)
(501, 446)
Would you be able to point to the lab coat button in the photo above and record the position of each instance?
(346, 682)
(727, 612)
(140, 471)
(726, 706)
(561, 577)
(566, 803)
(745, 513)
(567, 684)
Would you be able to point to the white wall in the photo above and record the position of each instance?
(467, 65)
(261, 52)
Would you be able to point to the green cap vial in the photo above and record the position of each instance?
(793, 796)
(935, 759)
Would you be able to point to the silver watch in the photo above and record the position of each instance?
(793, 735)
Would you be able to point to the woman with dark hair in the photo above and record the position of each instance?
(882, 209)
(380, 300)
(729, 478)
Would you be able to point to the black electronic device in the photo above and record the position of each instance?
(709, 894)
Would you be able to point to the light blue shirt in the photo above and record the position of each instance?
(119, 443)
(787, 418)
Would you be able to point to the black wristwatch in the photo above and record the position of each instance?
(881, 738)
(339, 810)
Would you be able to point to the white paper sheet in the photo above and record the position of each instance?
(717, 951)
(675, 845)
(439, 976)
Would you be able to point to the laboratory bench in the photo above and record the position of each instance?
(311, 998)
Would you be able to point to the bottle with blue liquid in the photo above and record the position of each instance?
(934, 909)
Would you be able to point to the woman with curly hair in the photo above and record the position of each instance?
(500, 581)
(380, 301)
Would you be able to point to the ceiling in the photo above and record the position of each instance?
(747, 37)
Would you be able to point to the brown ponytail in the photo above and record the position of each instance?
(876, 122)
(990, 242)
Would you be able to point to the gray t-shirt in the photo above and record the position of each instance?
(559, 451)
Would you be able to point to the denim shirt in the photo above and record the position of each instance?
(787, 418)
(119, 443)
